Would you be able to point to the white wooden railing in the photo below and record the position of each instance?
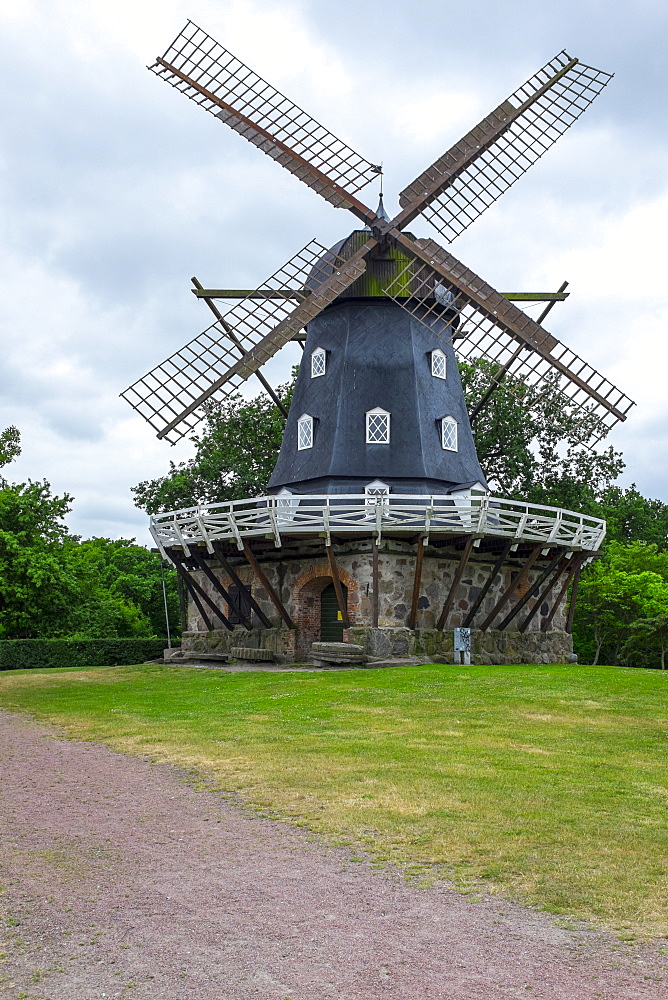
(441, 515)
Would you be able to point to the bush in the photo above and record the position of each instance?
(26, 654)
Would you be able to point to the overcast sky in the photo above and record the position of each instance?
(116, 190)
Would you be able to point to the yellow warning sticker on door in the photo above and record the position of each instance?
(339, 616)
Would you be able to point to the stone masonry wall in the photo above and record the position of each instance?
(299, 579)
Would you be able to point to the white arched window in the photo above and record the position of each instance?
(286, 504)
(449, 434)
(318, 362)
(305, 432)
(377, 426)
(376, 493)
(438, 364)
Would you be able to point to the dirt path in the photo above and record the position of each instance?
(123, 881)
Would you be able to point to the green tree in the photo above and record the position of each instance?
(123, 584)
(37, 585)
(610, 602)
(648, 635)
(10, 445)
(533, 447)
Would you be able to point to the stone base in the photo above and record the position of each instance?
(427, 645)
(491, 647)
(279, 643)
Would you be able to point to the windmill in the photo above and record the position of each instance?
(402, 297)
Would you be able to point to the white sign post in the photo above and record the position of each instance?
(462, 645)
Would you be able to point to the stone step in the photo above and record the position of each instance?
(337, 652)
(254, 655)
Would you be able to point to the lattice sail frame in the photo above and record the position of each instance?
(173, 390)
(544, 366)
(505, 144)
(251, 101)
(462, 184)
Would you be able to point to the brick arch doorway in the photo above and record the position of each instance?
(331, 619)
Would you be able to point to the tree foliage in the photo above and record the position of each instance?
(621, 605)
(37, 585)
(10, 445)
(54, 585)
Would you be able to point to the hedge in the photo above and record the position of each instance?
(24, 654)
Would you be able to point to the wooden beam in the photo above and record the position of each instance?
(242, 587)
(468, 549)
(417, 580)
(250, 293)
(299, 166)
(237, 343)
(196, 601)
(273, 596)
(541, 598)
(195, 590)
(574, 597)
(375, 583)
(496, 569)
(217, 585)
(545, 625)
(502, 372)
(334, 570)
(559, 296)
(302, 293)
(183, 603)
(511, 588)
(533, 589)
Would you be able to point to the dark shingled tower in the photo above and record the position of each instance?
(364, 353)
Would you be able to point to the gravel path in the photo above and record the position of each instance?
(123, 881)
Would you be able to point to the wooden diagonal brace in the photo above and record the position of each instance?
(496, 569)
(533, 589)
(195, 590)
(570, 570)
(242, 587)
(264, 582)
(217, 585)
(237, 343)
(541, 598)
(468, 549)
(574, 597)
(511, 588)
(419, 557)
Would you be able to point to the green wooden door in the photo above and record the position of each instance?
(331, 625)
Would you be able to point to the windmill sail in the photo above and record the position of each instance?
(208, 74)
(478, 169)
(491, 327)
(171, 396)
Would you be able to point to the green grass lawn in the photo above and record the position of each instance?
(547, 784)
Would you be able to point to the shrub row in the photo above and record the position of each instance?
(25, 654)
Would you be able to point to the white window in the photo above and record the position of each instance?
(449, 433)
(377, 426)
(304, 432)
(377, 493)
(438, 364)
(286, 504)
(318, 362)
